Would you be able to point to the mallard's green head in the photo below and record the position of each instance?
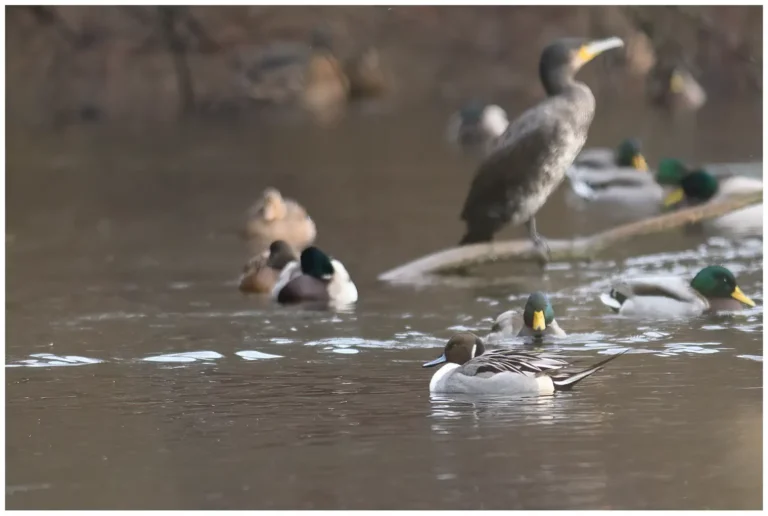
(671, 171)
(629, 154)
(716, 282)
(460, 349)
(697, 186)
(538, 312)
(316, 263)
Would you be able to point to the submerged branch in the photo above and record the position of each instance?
(458, 258)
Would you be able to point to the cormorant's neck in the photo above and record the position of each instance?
(557, 81)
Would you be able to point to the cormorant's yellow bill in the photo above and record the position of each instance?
(639, 163)
(674, 197)
(676, 83)
(538, 321)
(593, 49)
(737, 294)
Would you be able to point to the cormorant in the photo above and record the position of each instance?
(530, 159)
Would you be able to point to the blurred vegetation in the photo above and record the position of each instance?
(86, 64)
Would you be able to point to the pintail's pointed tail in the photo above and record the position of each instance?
(566, 381)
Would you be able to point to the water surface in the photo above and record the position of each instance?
(139, 377)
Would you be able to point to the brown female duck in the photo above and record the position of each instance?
(273, 218)
(261, 273)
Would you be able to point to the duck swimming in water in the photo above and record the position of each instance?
(470, 369)
(713, 289)
(694, 187)
(530, 159)
(504, 327)
(477, 125)
(315, 278)
(628, 154)
(605, 176)
(670, 85)
(539, 318)
(261, 273)
(273, 218)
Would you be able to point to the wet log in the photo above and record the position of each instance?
(582, 248)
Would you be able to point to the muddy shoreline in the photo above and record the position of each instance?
(96, 64)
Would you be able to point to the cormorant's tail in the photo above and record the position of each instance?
(566, 381)
(477, 236)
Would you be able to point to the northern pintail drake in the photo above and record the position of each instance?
(470, 369)
(694, 187)
(477, 125)
(713, 289)
(316, 277)
(273, 218)
(261, 273)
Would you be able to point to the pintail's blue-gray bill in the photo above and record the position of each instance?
(438, 360)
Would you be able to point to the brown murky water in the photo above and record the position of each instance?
(138, 377)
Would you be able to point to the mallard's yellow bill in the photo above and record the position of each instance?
(737, 294)
(595, 48)
(674, 197)
(676, 83)
(639, 163)
(538, 321)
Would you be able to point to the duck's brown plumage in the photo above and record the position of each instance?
(273, 218)
(261, 272)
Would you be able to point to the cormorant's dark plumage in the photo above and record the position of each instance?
(531, 157)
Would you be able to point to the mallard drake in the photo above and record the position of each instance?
(672, 86)
(477, 125)
(694, 187)
(273, 218)
(628, 154)
(539, 318)
(620, 185)
(602, 175)
(261, 273)
(469, 369)
(713, 289)
(315, 278)
(504, 327)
